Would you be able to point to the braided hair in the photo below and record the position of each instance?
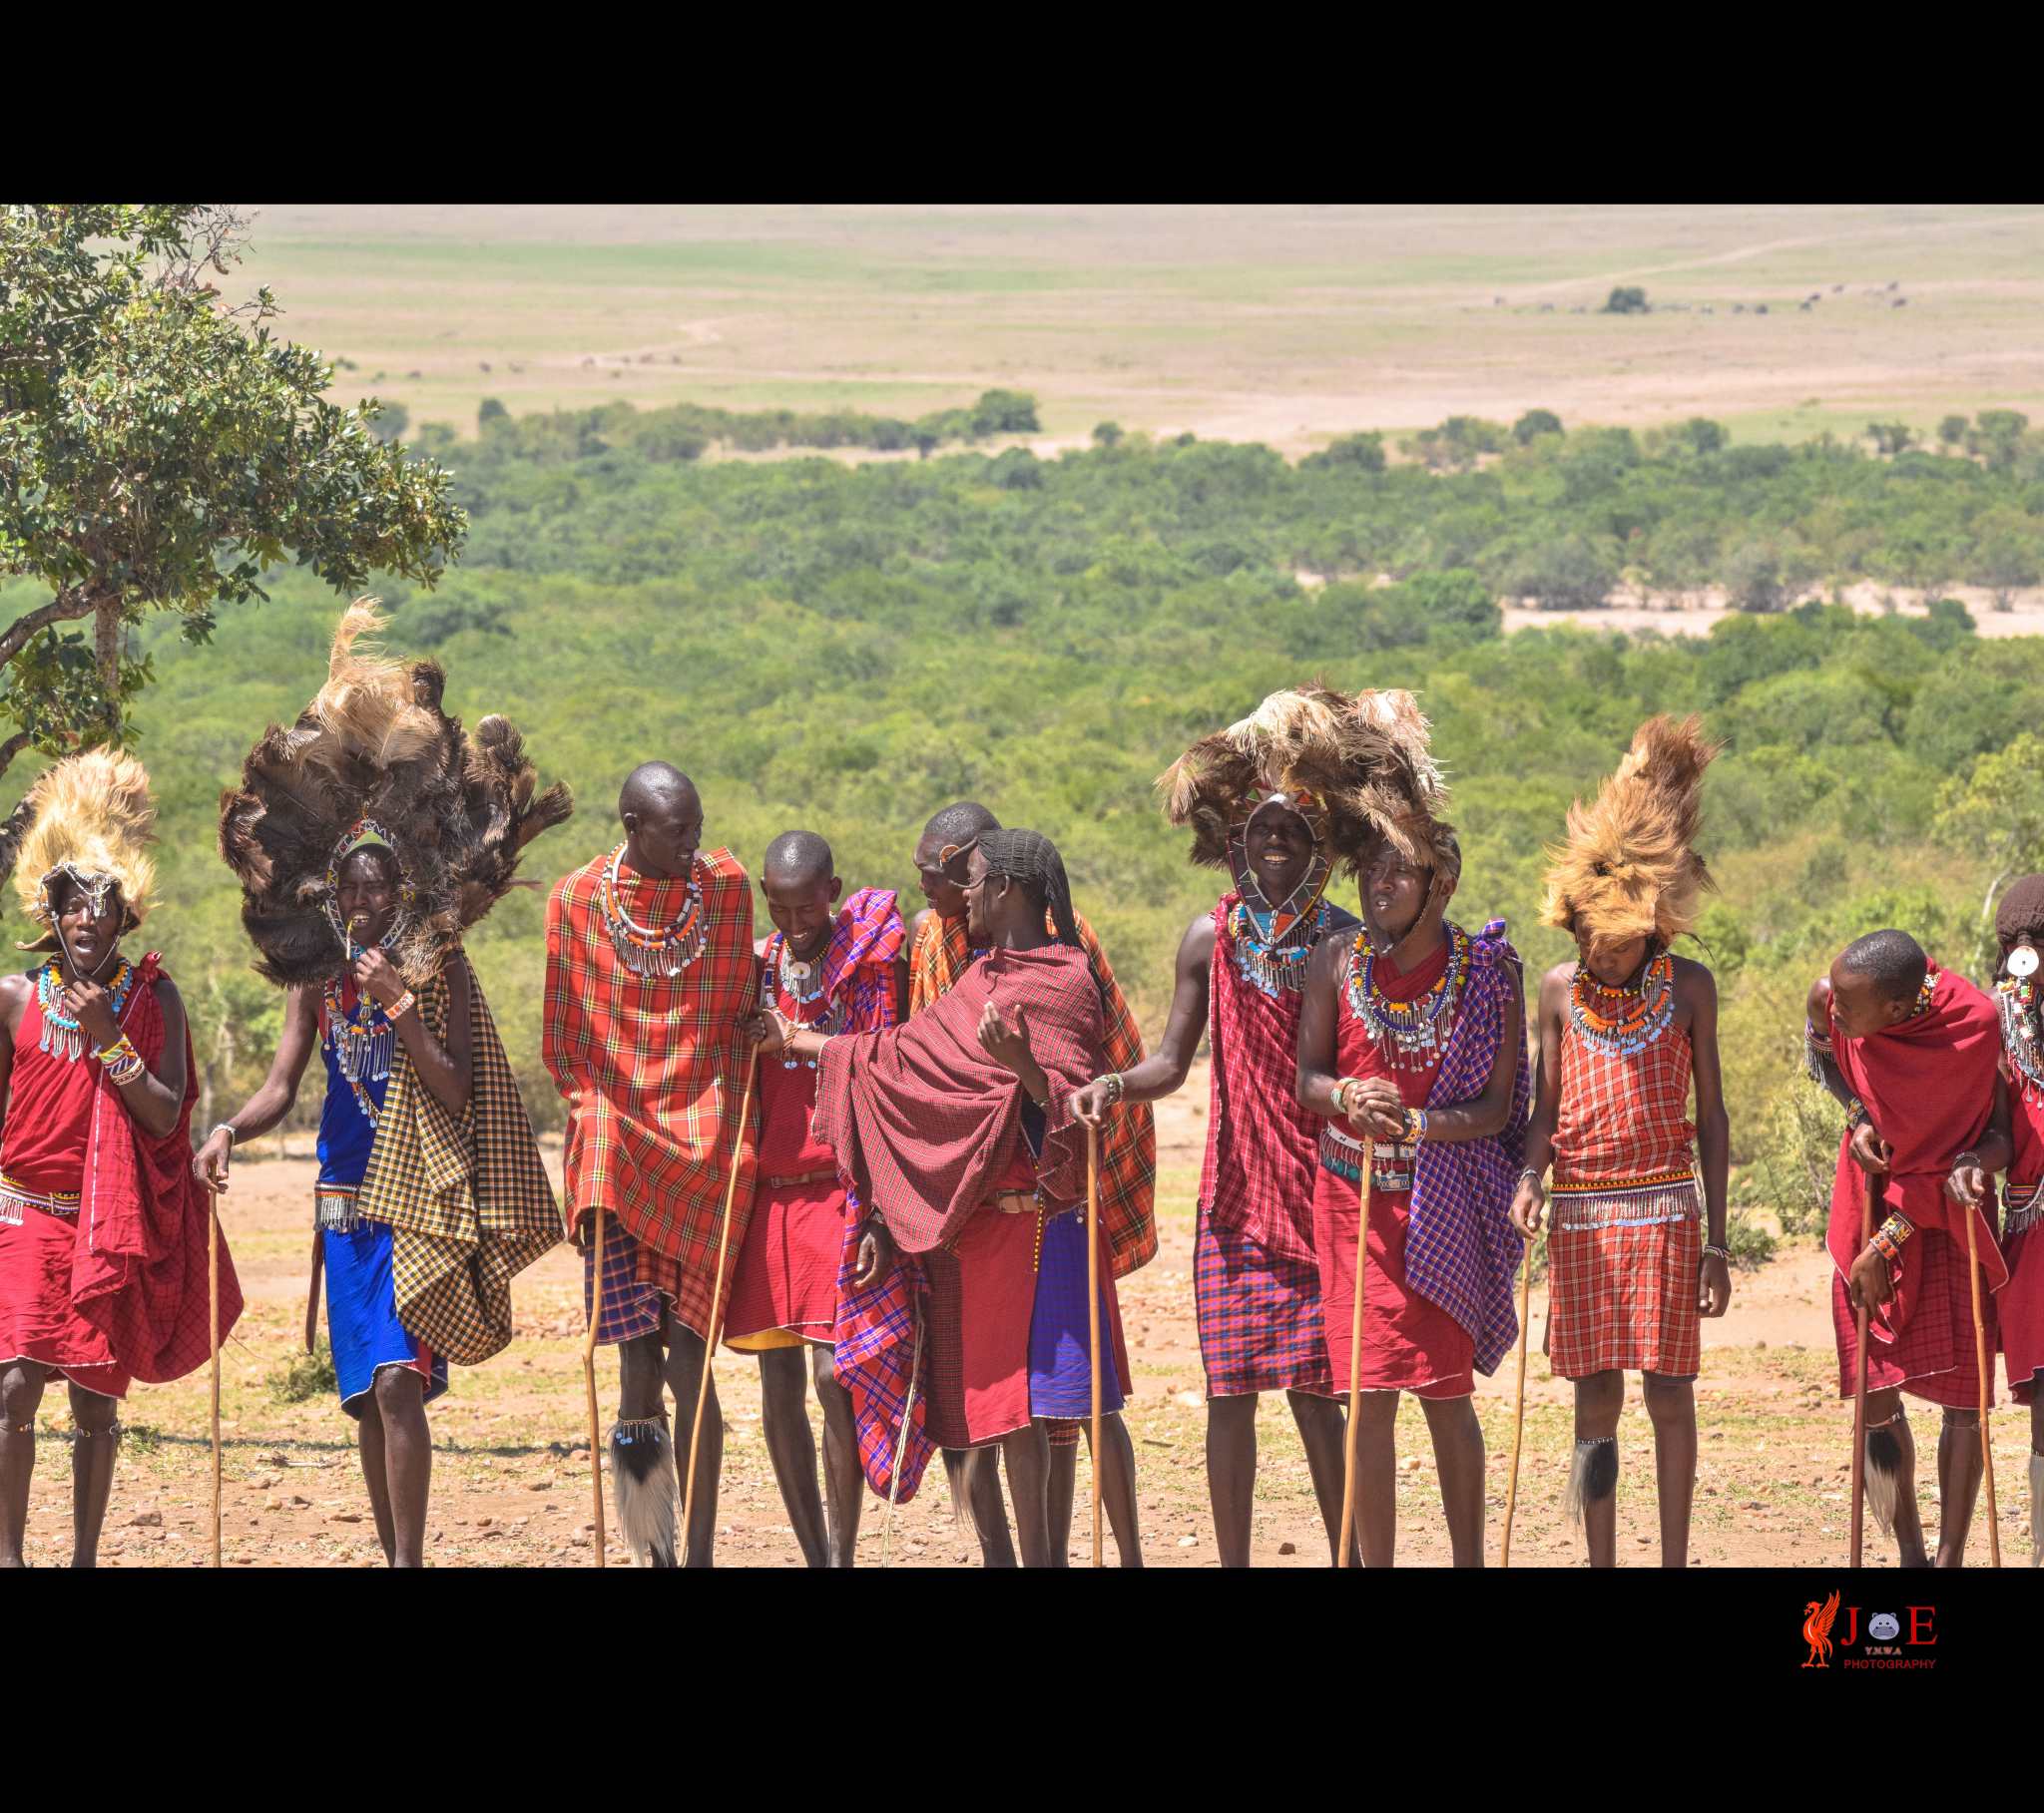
(1032, 860)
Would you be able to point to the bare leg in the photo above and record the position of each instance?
(684, 1372)
(792, 1447)
(1880, 1406)
(1060, 1489)
(642, 1364)
(1027, 1452)
(1324, 1430)
(407, 1460)
(370, 1438)
(989, 1509)
(844, 1479)
(1458, 1458)
(1958, 1483)
(21, 1396)
(1232, 1474)
(1600, 1401)
(93, 1448)
(1672, 1405)
(1376, 1497)
(1116, 1473)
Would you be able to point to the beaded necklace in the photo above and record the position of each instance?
(1280, 969)
(1622, 1021)
(2015, 1000)
(1923, 994)
(362, 1046)
(1411, 1035)
(61, 1033)
(794, 977)
(653, 950)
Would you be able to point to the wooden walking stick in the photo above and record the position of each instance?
(1093, 1295)
(589, 1378)
(737, 1153)
(1986, 1376)
(1504, 1559)
(312, 1288)
(901, 1442)
(1866, 1202)
(212, 1300)
(1355, 1354)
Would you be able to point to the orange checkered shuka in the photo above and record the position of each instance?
(653, 1070)
(1128, 1145)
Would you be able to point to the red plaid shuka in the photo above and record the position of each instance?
(653, 1070)
(1127, 1144)
(1624, 1211)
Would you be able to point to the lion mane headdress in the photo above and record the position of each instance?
(1355, 768)
(1628, 869)
(88, 818)
(374, 759)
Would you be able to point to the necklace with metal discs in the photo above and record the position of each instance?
(1272, 969)
(1623, 1020)
(802, 983)
(1411, 1035)
(61, 1033)
(653, 950)
(2015, 1000)
(363, 1044)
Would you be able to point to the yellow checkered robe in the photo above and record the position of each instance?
(468, 1199)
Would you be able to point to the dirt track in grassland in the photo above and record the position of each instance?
(506, 1493)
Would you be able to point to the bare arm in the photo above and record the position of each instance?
(1713, 1125)
(14, 993)
(273, 1098)
(1530, 1200)
(1164, 1071)
(153, 1100)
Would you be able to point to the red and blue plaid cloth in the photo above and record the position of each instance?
(654, 1068)
(875, 1361)
(1461, 1250)
(1260, 1316)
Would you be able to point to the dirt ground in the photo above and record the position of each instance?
(1281, 325)
(511, 1484)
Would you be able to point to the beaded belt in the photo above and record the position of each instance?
(333, 1207)
(1390, 1167)
(809, 1176)
(2022, 1201)
(1626, 1202)
(17, 1198)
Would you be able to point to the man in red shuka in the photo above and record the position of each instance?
(1912, 1051)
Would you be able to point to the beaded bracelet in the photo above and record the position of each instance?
(123, 1062)
(1855, 1114)
(1711, 1251)
(1415, 1125)
(401, 1007)
(1117, 1087)
(1889, 1237)
(1341, 1095)
(1530, 1176)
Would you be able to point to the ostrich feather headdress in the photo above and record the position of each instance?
(88, 818)
(1355, 768)
(373, 758)
(1628, 869)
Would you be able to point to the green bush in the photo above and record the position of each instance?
(1625, 298)
(304, 1375)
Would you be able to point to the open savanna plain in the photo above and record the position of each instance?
(511, 1475)
(1284, 324)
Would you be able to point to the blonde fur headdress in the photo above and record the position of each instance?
(375, 759)
(1628, 869)
(88, 818)
(1363, 762)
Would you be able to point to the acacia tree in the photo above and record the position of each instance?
(160, 449)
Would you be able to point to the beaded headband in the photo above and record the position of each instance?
(367, 831)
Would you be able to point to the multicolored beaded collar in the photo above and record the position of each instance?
(1622, 1020)
(804, 985)
(2015, 1000)
(653, 950)
(1411, 1035)
(60, 1031)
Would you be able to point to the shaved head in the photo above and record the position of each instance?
(654, 786)
(1891, 959)
(799, 859)
(959, 825)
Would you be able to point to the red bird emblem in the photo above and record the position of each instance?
(1816, 1630)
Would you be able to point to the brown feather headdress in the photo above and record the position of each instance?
(1628, 869)
(1364, 760)
(373, 750)
(88, 818)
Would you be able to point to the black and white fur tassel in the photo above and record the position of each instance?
(643, 1480)
(1593, 1475)
(1883, 1473)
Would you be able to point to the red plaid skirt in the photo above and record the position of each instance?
(1935, 1357)
(1260, 1317)
(1623, 1299)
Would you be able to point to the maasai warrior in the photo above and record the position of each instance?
(941, 951)
(841, 970)
(1411, 1033)
(651, 978)
(957, 1130)
(2019, 1307)
(368, 838)
(1912, 1051)
(1623, 1031)
(103, 1234)
(1272, 802)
